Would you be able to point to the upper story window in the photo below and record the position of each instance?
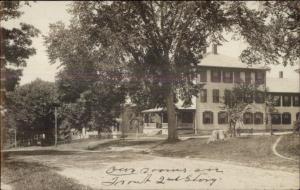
(215, 76)
(296, 100)
(259, 97)
(216, 95)
(298, 116)
(259, 77)
(286, 100)
(237, 77)
(208, 117)
(203, 95)
(276, 100)
(276, 118)
(222, 117)
(248, 118)
(227, 76)
(203, 76)
(258, 118)
(248, 77)
(187, 117)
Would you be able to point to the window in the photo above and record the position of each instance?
(187, 117)
(280, 74)
(222, 117)
(146, 118)
(203, 76)
(286, 100)
(227, 76)
(276, 100)
(208, 117)
(258, 118)
(237, 77)
(259, 97)
(248, 77)
(216, 95)
(249, 98)
(228, 97)
(286, 118)
(215, 76)
(259, 77)
(276, 118)
(248, 118)
(296, 100)
(203, 95)
(165, 117)
(298, 116)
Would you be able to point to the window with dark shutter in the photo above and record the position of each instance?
(286, 100)
(208, 117)
(248, 77)
(296, 100)
(286, 118)
(227, 77)
(248, 118)
(276, 118)
(259, 77)
(258, 118)
(215, 76)
(222, 117)
(237, 77)
(203, 95)
(216, 96)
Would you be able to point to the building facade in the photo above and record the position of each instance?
(219, 73)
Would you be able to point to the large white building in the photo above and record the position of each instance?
(220, 72)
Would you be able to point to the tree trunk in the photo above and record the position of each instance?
(270, 123)
(172, 124)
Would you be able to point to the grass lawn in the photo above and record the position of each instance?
(251, 151)
(34, 176)
(290, 146)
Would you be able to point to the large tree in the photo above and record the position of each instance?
(31, 109)
(160, 43)
(275, 40)
(16, 42)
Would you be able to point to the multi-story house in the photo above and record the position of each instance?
(219, 73)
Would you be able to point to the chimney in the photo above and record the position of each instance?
(215, 49)
(280, 74)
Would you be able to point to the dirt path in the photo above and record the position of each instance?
(179, 173)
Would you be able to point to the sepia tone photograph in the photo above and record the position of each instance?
(150, 95)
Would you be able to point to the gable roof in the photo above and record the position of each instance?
(219, 60)
(283, 85)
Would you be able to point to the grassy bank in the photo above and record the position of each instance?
(251, 151)
(289, 146)
(33, 176)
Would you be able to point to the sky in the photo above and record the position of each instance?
(42, 13)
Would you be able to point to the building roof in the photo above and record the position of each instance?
(178, 105)
(283, 85)
(219, 60)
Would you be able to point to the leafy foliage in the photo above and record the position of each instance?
(31, 108)
(16, 42)
(275, 39)
(237, 101)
